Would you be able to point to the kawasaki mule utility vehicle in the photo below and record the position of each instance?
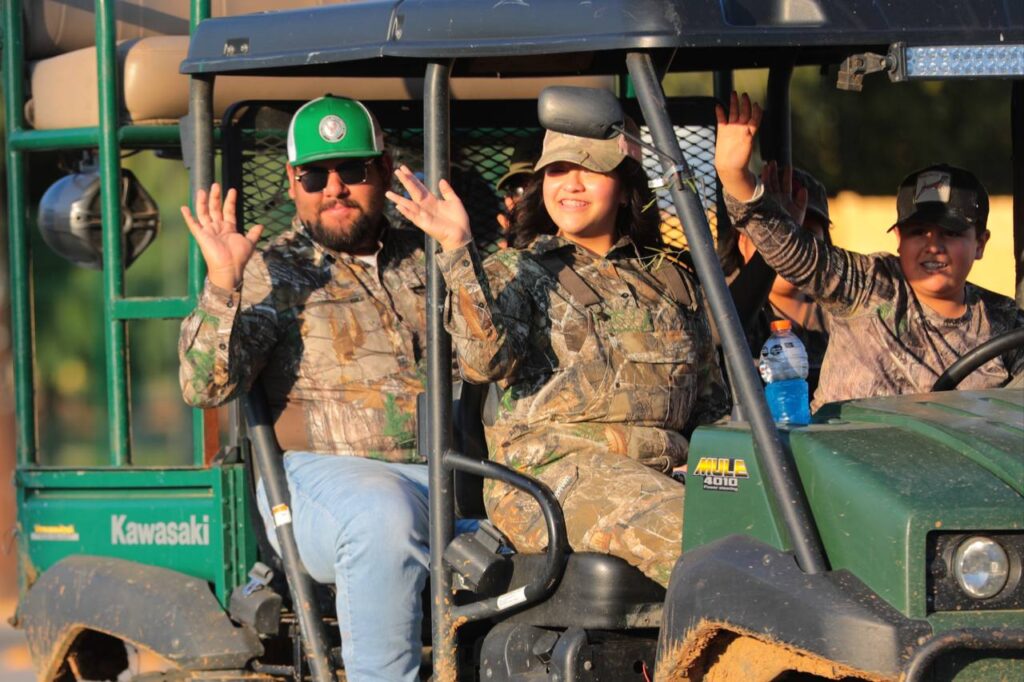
(839, 550)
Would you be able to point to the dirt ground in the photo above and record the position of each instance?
(15, 664)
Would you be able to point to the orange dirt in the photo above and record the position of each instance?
(719, 652)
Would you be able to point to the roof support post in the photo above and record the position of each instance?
(116, 349)
(18, 243)
(777, 130)
(776, 461)
(1017, 161)
(199, 138)
(437, 165)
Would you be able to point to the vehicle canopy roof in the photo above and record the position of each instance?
(382, 36)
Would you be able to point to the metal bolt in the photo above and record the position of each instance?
(587, 665)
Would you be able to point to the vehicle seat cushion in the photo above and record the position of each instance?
(56, 26)
(598, 591)
(154, 92)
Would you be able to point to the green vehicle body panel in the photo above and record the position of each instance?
(741, 505)
(881, 475)
(195, 521)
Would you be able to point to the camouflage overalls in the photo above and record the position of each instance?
(883, 340)
(594, 397)
(337, 344)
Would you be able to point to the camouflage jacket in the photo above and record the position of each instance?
(627, 374)
(336, 342)
(883, 340)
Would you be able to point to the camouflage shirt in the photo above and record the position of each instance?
(627, 374)
(337, 343)
(883, 340)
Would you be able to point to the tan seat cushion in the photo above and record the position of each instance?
(56, 26)
(64, 93)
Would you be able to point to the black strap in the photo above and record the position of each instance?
(678, 289)
(554, 263)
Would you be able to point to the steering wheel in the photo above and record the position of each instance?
(977, 357)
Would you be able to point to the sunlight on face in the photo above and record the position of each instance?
(582, 203)
(341, 216)
(937, 260)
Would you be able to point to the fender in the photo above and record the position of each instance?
(748, 587)
(174, 615)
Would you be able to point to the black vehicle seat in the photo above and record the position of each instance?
(597, 591)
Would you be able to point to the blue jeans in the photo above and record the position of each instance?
(362, 524)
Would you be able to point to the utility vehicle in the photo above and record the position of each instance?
(839, 550)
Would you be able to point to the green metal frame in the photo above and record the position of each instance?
(109, 136)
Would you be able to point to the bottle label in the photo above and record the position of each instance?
(782, 357)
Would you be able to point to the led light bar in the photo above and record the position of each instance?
(957, 61)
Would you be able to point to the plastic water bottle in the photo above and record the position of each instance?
(783, 367)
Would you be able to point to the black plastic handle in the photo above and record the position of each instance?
(268, 458)
(558, 539)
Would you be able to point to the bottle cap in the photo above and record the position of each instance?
(781, 325)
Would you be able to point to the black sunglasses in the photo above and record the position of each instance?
(351, 172)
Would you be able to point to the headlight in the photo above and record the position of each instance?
(981, 567)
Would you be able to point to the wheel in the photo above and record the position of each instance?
(974, 359)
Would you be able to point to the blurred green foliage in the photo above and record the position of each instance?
(868, 141)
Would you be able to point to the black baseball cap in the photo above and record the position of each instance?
(942, 195)
(817, 196)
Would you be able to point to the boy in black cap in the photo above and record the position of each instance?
(896, 322)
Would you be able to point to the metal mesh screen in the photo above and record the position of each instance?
(254, 163)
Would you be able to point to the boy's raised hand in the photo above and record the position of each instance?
(225, 249)
(444, 219)
(734, 145)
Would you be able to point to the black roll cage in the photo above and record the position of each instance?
(646, 61)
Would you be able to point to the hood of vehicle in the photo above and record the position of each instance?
(985, 427)
(884, 474)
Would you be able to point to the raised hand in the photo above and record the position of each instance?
(225, 249)
(778, 182)
(444, 219)
(734, 145)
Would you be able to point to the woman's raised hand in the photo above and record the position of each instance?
(225, 249)
(734, 145)
(445, 219)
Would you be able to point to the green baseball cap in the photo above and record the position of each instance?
(332, 127)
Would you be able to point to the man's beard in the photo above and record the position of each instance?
(363, 234)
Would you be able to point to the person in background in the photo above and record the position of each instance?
(762, 297)
(513, 183)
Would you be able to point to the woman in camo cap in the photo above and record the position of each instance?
(599, 346)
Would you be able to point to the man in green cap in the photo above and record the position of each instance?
(330, 317)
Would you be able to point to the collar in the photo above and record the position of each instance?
(547, 243)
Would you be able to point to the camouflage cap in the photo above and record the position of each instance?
(817, 197)
(524, 156)
(332, 127)
(942, 195)
(597, 155)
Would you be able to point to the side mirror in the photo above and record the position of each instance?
(583, 112)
